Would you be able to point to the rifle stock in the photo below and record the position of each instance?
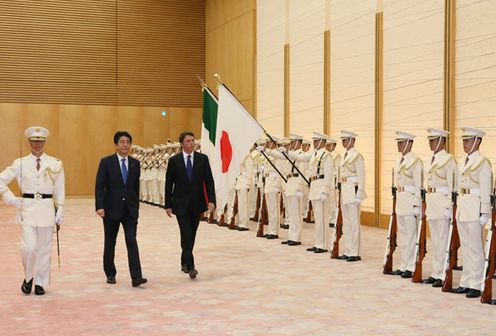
(263, 218)
(232, 222)
(421, 243)
(257, 209)
(451, 249)
(391, 239)
(338, 227)
(489, 268)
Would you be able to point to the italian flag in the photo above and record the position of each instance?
(209, 123)
(235, 133)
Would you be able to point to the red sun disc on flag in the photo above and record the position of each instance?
(225, 151)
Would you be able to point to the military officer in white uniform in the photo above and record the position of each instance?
(321, 173)
(272, 192)
(441, 182)
(473, 211)
(352, 177)
(41, 180)
(336, 159)
(296, 187)
(244, 182)
(409, 175)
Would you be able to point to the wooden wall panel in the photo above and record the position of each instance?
(104, 52)
(231, 47)
(157, 126)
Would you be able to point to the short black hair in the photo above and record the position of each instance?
(120, 134)
(184, 135)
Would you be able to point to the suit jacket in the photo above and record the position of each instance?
(183, 195)
(111, 193)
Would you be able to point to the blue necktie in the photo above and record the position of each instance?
(124, 170)
(189, 168)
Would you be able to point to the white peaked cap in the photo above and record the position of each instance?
(286, 141)
(471, 132)
(294, 136)
(331, 140)
(318, 136)
(436, 133)
(306, 142)
(348, 134)
(36, 133)
(400, 136)
(276, 139)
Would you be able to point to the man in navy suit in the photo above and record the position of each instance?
(117, 201)
(188, 180)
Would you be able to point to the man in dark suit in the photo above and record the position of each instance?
(187, 180)
(117, 201)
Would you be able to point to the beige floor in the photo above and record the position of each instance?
(246, 286)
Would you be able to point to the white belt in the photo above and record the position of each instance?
(440, 190)
(411, 189)
(465, 191)
(353, 179)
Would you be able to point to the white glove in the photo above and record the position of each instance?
(299, 194)
(17, 202)
(59, 216)
(447, 213)
(281, 150)
(323, 196)
(260, 148)
(416, 211)
(484, 218)
(358, 200)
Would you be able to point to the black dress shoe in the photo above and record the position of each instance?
(342, 257)
(38, 290)
(265, 235)
(111, 279)
(26, 286)
(184, 268)
(243, 229)
(492, 302)
(458, 268)
(293, 243)
(460, 290)
(331, 225)
(272, 236)
(429, 280)
(407, 275)
(473, 293)
(354, 258)
(139, 281)
(397, 272)
(193, 273)
(319, 250)
(311, 249)
(438, 283)
(285, 242)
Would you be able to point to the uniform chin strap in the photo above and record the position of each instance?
(473, 146)
(404, 148)
(320, 143)
(438, 143)
(349, 144)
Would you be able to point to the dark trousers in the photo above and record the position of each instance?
(188, 225)
(111, 228)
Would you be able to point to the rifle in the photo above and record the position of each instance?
(263, 216)
(308, 219)
(420, 248)
(257, 208)
(338, 227)
(392, 235)
(452, 248)
(222, 219)
(232, 224)
(489, 267)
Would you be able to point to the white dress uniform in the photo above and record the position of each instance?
(352, 177)
(244, 182)
(409, 172)
(441, 182)
(295, 189)
(320, 172)
(473, 211)
(272, 192)
(43, 190)
(253, 192)
(336, 159)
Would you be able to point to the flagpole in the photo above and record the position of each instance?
(217, 77)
